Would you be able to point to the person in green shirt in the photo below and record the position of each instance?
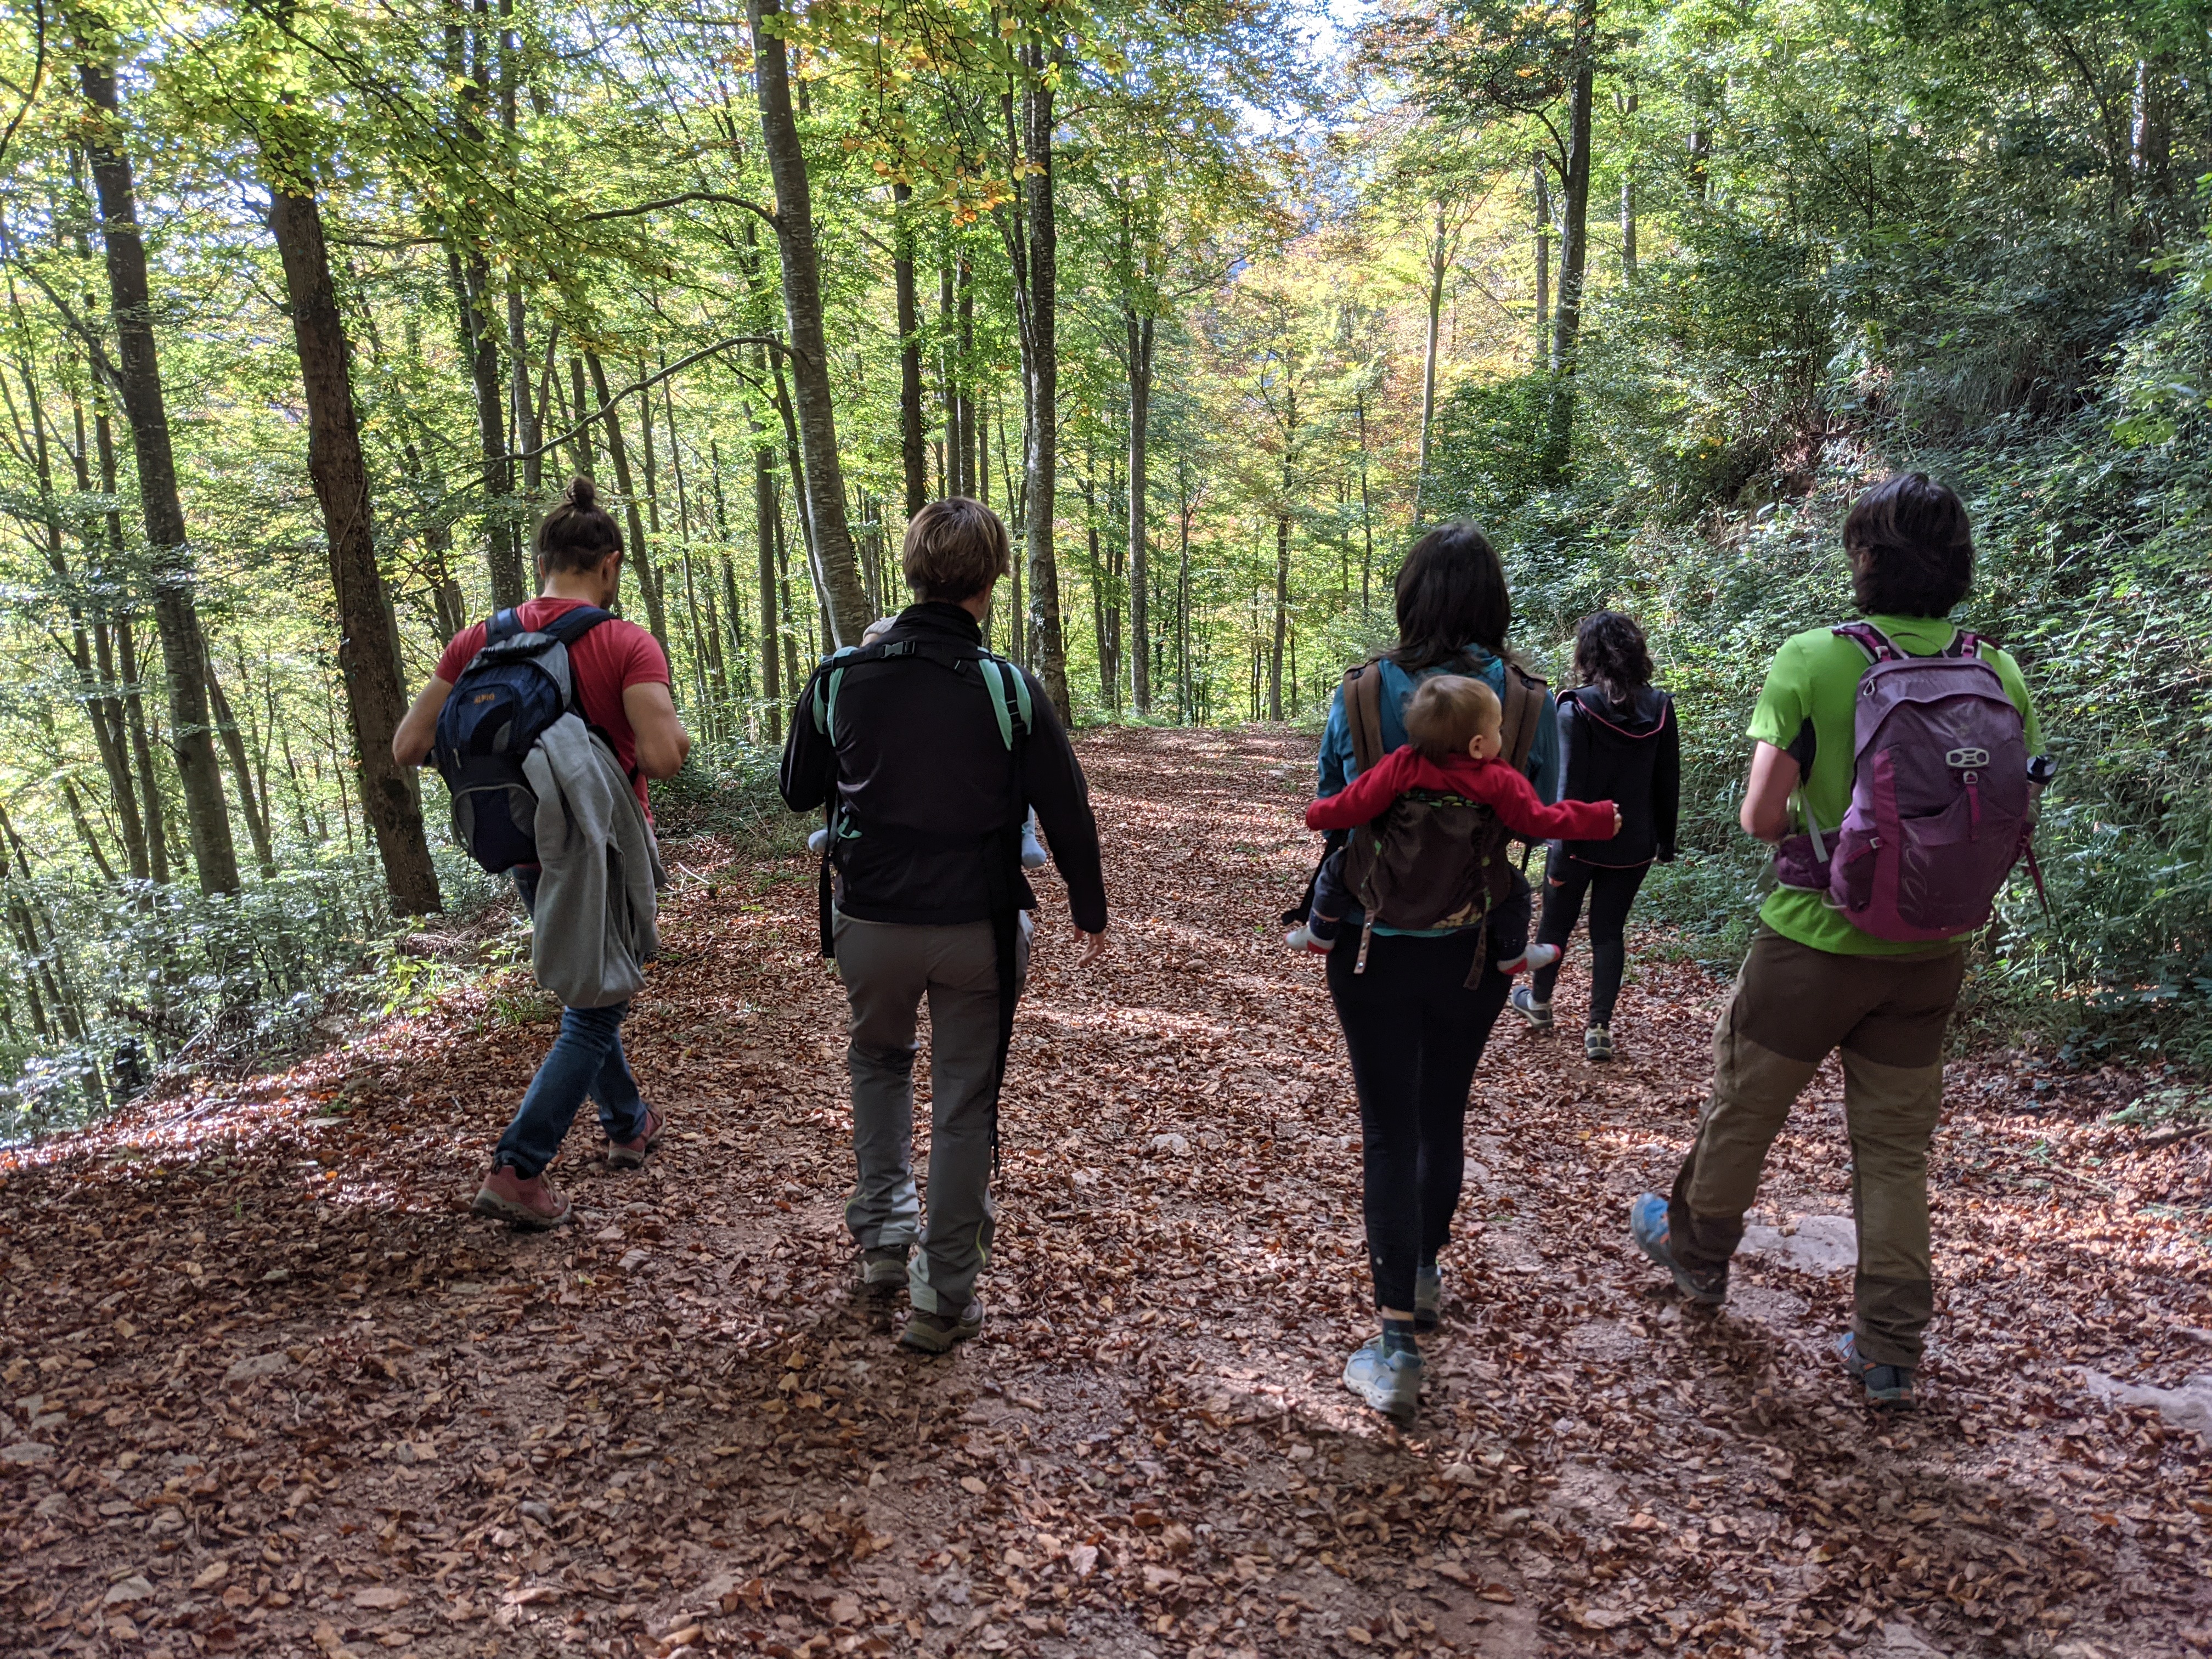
(1814, 983)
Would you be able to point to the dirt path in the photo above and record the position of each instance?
(268, 1389)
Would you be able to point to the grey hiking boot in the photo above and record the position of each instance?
(884, 1269)
(1538, 1014)
(930, 1332)
(1428, 1296)
(1648, 1226)
(1597, 1042)
(1389, 1383)
(1886, 1386)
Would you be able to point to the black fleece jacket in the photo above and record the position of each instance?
(1632, 756)
(924, 783)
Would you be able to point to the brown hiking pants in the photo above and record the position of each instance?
(1792, 1007)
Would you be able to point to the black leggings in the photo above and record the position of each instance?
(1611, 891)
(1415, 1031)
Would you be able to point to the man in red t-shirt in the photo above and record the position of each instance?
(621, 682)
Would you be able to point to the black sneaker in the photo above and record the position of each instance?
(1888, 1386)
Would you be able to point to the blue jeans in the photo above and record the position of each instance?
(587, 1059)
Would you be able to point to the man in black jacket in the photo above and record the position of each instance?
(928, 753)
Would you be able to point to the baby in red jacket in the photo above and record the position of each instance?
(1453, 723)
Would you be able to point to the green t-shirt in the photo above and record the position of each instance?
(1813, 681)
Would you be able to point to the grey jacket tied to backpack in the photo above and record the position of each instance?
(592, 927)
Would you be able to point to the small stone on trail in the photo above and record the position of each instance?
(1174, 1144)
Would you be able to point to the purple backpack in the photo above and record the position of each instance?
(1940, 798)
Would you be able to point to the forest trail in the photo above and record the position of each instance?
(270, 1389)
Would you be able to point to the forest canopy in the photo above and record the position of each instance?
(314, 307)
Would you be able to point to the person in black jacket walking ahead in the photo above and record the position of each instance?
(928, 752)
(1619, 737)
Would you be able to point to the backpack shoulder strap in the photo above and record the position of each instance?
(1363, 712)
(1523, 706)
(502, 625)
(1965, 643)
(1869, 639)
(571, 625)
(1010, 698)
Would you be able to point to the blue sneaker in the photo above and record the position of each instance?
(1390, 1383)
(1647, 1226)
(1885, 1385)
(1428, 1296)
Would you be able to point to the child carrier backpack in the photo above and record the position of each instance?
(1433, 860)
(511, 692)
(1939, 808)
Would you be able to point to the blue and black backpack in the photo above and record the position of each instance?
(510, 693)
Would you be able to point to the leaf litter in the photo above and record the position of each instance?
(264, 1385)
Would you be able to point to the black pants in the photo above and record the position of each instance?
(1611, 894)
(1415, 1031)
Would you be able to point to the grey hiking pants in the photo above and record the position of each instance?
(888, 967)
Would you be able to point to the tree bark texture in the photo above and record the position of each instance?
(764, 534)
(1140, 410)
(1439, 263)
(909, 327)
(368, 643)
(640, 553)
(829, 536)
(1574, 244)
(1033, 243)
(176, 612)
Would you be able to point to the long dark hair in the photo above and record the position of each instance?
(1450, 593)
(1611, 655)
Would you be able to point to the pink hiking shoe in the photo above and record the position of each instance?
(632, 1154)
(527, 1202)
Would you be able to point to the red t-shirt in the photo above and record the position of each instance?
(606, 662)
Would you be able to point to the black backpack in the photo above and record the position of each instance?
(1432, 860)
(510, 693)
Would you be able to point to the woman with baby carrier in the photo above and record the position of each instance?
(1619, 743)
(1415, 971)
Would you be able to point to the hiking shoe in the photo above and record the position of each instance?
(884, 1267)
(1538, 1014)
(632, 1154)
(1597, 1043)
(931, 1333)
(1647, 1226)
(1428, 1296)
(525, 1202)
(1885, 1385)
(1389, 1383)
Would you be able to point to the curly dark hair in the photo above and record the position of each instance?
(1911, 548)
(1450, 593)
(1611, 655)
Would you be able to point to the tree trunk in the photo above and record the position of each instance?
(829, 538)
(1543, 258)
(1366, 511)
(1439, 262)
(176, 612)
(641, 555)
(1628, 107)
(1282, 607)
(972, 448)
(242, 768)
(368, 644)
(1032, 237)
(1574, 245)
(1140, 598)
(909, 327)
(586, 459)
(764, 534)
(142, 751)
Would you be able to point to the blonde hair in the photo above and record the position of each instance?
(1446, 713)
(955, 548)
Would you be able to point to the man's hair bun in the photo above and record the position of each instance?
(583, 495)
(578, 533)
